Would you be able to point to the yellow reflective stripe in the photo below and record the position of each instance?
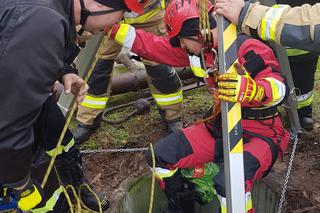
(163, 4)
(198, 71)
(195, 65)
(223, 204)
(295, 52)
(94, 102)
(278, 91)
(122, 33)
(305, 100)
(168, 99)
(248, 202)
(163, 173)
(50, 203)
(143, 18)
(270, 21)
(62, 148)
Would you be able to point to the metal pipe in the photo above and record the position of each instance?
(133, 81)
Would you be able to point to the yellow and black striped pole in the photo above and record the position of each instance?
(231, 122)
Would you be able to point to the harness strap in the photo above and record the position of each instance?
(259, 113)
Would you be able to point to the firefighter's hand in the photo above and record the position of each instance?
(239, 87)
(74, 84)
(28, 196)
(230, 9)
(124, 34)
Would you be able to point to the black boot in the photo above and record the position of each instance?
(83, 132)
(305, 117)
(69, 167)
(180, 193)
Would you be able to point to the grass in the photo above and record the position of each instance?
(139, 127)
(316, 101)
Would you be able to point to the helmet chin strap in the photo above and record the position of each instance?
(85, 13)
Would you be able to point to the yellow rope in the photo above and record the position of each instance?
(153, 178)
(204, 22)
(64, 191)
(94, 194)
(74, 193)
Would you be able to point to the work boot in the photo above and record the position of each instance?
(175, 125)
(305, 117)
(69, 167)
(83, 132)
(180, 193)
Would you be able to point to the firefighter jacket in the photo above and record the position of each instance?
(36, 48)
(150, 10)
(256, 57)
(296, 27)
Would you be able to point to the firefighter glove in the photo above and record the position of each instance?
(124, 34)
(239, 87)
(28, 196)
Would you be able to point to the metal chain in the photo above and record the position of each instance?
(286, 179)
(113, 150)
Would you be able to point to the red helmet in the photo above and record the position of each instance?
(177, 12)
(136, 5)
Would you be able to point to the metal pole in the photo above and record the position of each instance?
(231, 123)
(83, 63)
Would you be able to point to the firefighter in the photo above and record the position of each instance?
(37, 47)
(163, 81)
(303, 65)
(295, 27)
(258, 86)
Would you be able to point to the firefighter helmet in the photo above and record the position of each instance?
(179, 11)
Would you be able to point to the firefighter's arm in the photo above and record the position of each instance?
(149, 46)
(240, 87)
(297, 27)
(255, 81)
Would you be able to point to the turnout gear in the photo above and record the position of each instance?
(168, 95)
(29, 196)
(304, 81)
(21, 110)
(239, 87)
(124, 34)
(303, 67)
(292, 27)
(31, 121)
